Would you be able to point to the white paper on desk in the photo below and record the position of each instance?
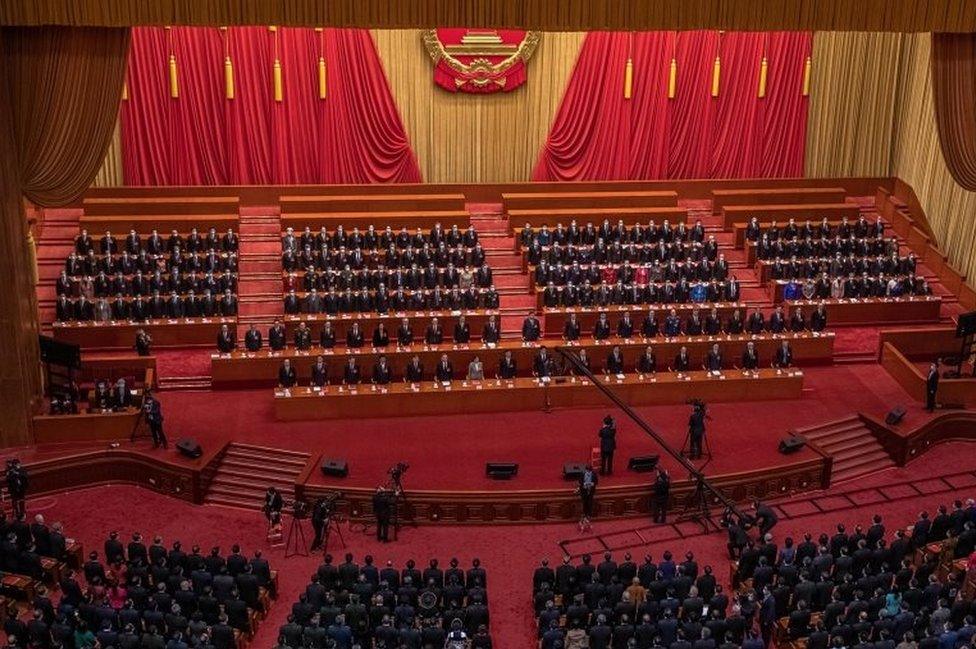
(446, 385)
(490, 345)
(544, 379)
(620, 377)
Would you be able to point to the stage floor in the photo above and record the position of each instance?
(448, 453)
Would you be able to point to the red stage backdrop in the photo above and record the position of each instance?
(480, 61)
(255, 105)
(611, 127)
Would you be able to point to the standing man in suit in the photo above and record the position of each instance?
(154, 417)
(696, 430)
(608, 444)
(659, 499)
(143, 343)
(383, 509)
(767, 615)
(530, 329)
(931, 385)
(587, 490)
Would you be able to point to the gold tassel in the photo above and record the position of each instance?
(125, 91)
(278, 93)
(322, 87)
(32, 257)
(673, 79)
(228, 78)
(763, 68)
(272, 28)
(629, 79)
(716, 75)
(174, 83)
(806, 77)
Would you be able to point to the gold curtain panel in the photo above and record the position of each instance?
(550, 15)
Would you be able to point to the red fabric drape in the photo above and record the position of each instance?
(194, 143)
(590, 137)
(145, 115)
(651, 114)
(694, 135)
(353, 136)
(785, 118)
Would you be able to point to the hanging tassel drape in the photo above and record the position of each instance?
(716, 76)
(174, 82)
(629, 79)
(806, 77)
(672, 78)
(322, 78)
(323, 89)
(763, 70)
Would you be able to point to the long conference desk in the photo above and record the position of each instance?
(857, 311)
(241, 368)
(586, 316)
(342, 322)
(122, 335)
(462, 397)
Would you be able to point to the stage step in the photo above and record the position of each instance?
(245, 471)
(854, 449)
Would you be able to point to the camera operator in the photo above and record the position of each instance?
(322, 512)
(17, 486)
(154, 417)
(383, 509)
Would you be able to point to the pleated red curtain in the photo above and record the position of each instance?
(590, 137)
(736, 134)
(202, 137)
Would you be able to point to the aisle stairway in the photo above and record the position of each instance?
(852, 446)
(55, 243)
(244, 472)
(516, 299)
(259, 284)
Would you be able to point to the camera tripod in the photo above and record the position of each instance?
(706, 448)
(697, 506)
(331, 525)
(296, 533)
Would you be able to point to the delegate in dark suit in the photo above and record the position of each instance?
(608, 444)
(931, 386)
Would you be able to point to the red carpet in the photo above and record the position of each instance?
(509, 553)
(449, 453)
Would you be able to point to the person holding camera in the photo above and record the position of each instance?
(154, 417)
(608, 444)
(659, 497)
(17, 486)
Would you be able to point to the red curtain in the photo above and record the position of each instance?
(354, 135)
(692, 135)
(590, 137)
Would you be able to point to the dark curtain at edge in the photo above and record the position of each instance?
(65, 85)
(354, 135)
(954, 96)
(693, 135)
(59, 94)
